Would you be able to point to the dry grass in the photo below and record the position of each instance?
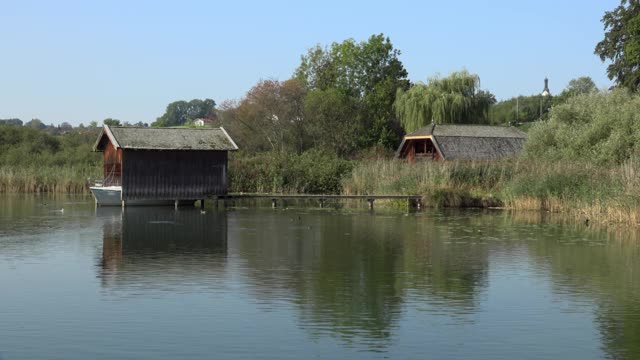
(46, 179)
(582, 190)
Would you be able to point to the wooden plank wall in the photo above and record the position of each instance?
(173, 174)
(112, 165)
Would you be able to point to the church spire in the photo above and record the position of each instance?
(546, 91)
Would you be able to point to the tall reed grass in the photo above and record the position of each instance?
(587, 191)
(64, 179)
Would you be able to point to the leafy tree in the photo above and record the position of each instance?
(93, 124)
(35, 124)
(270, 117)
(454, 99)
(14, 122)
(369, 72)
(580, 86)
(621, 44)
(65, 126)
(111, 122)
(179, 112)
(329, 115)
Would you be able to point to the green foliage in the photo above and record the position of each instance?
(22, 146)
(368, 72)
(580, 86)
(34, 160)
(567, 181)
(179, 112)
(621, 44)
(329, 121)
(454, 99)
(601, 128)
(269, 118)
(111, 122)
(443, 184)
(522, 109)
(35, 124)
(14, 122)
(313, 171)
(577, 187)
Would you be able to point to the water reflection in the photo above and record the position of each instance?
(376, 282)
(352, 276)
(604, 267)
(162, 249)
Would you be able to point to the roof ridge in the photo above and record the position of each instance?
(163, 128)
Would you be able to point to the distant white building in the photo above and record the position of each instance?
(202, 122)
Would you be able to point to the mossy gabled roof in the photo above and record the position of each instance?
(469, 131)
(155, 138)
(470, 142)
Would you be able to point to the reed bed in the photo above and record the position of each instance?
(65, 179)
(589, 192)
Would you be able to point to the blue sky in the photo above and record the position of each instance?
(79, 61)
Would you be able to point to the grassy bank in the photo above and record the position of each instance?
(587, 191)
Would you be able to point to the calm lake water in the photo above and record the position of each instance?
(154, 283)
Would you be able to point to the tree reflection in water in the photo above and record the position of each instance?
(350, 274)
(357, 277)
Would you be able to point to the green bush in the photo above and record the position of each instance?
(315, 171)
(601, 128)
(32, 160)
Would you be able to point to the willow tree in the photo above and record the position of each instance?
(456, 99)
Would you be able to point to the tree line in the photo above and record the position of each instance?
(350, 96)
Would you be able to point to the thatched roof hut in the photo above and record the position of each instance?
(461, 142)
(165, 163)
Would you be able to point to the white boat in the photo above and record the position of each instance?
(107, 195)
(112, 196)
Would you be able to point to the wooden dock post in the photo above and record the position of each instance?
(413, 201)
(201, 204)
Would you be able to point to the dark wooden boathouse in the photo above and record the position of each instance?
(461, 142)
(165, 163)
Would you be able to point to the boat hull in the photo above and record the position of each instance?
(112, 196)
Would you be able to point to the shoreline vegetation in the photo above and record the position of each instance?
(608, 194)
(584, 162)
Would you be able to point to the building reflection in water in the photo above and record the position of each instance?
(159, 248)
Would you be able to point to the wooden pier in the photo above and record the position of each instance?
(413, 201)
